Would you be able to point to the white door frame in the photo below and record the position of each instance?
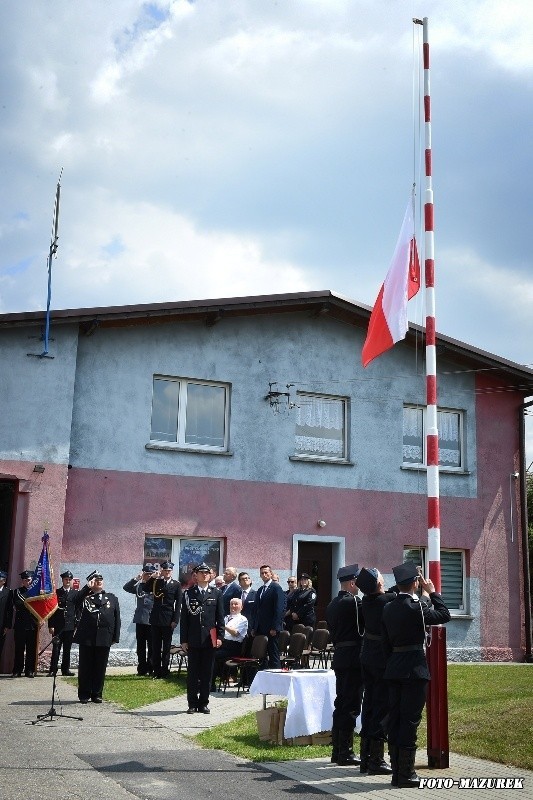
(338, 551)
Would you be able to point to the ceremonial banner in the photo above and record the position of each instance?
(41, 598)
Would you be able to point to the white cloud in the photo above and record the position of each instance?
(137, 252)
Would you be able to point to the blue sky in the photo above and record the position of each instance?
(250, 146)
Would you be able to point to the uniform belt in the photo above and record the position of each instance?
(407, 648)
(372, 636)
(347, 644)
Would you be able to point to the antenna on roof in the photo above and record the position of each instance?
(51, 253)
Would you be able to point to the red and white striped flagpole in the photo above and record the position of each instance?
(437, 707)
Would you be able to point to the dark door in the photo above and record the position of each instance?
(7, 500)
(7, 505)
(315, 558)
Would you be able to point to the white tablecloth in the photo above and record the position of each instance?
(310, 694)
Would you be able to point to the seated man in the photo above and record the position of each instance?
(235, 630)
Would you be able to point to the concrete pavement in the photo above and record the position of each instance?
(147, 754)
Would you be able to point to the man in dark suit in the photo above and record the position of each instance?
(230, 589)
(25, 630)
(202, 631)
(164, 616)
(248, 596)
(6, 609)
(98, 629)
(345, 624)
(268, 614)
(404, 634)
(62, 623)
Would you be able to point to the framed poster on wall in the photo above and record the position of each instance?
(157, 549)
(193, 552)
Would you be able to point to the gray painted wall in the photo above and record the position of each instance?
(113, 394)
(36, 394)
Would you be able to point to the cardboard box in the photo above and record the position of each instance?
(267, 722)
(322, 738)
(298, 741)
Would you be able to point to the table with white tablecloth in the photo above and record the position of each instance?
(310, 694)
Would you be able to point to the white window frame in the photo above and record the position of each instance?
(464, 607)
(422, 464)
(180, 443)
(331, 459)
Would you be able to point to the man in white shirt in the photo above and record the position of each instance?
(235, 630)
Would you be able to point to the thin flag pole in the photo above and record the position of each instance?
(54, 243)
(437, 706)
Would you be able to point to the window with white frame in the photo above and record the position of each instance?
(193, 414)
(451, 447)
(452, 573)
(321, 427)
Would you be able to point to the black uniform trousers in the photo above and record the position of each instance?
(348, 699)
(143, 635)
(200, 661)
(91, 670)
(62, 640)
(407, 699)
(161, 643)
(25, 650)
(229, 649)
(375, 702)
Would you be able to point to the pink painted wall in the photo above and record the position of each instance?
(40, 503)
(495, 558)
(109, 514)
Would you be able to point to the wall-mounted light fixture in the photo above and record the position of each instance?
(38, 468)
(321, 523)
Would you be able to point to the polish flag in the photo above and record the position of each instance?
(388, 322)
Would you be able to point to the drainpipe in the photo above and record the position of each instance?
(523, 524)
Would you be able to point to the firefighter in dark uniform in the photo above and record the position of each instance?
(202, 631)
(6, 609)
(141, 618)
(376, 691)
(62, 623)
(404, 634)
(25, 630)
(164, 616)
(98, 629)
(301, 604)
(345, 624)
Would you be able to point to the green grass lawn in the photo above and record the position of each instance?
(490, 713)
(135, 691)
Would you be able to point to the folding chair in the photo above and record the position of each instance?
(293, 659)
(319, 648)
(283, 642)
(178, 654)
(246, 667)
(298, 628)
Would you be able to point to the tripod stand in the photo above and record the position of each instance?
(52, 714)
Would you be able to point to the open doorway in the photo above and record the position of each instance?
(320, 557)
(7, 504)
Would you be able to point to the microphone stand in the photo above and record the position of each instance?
(52, 714)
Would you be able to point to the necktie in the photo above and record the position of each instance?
(244, 596)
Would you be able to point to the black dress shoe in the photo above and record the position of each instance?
(96, 699)
(68, 673)
(191, 710)
(30, 674)
(84, 700)
(204, 710)
(17, 675)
